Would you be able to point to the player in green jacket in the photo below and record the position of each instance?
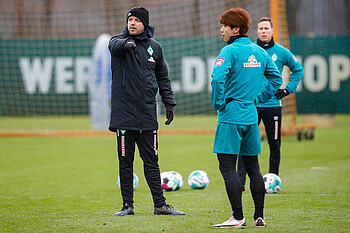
(236, 80)
(270, 112)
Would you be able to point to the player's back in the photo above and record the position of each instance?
(248, 66)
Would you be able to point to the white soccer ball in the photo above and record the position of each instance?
(273, 183)
(178, 179)
(198, 179)
(171, 181)
(168, 181)
(135, 181)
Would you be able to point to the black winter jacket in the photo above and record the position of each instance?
(136, 78)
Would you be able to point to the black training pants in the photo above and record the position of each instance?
(147, 143)
(227, 166)
(272, 119)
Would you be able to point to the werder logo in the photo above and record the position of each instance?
(150, 51)
(252, 62)
(274, 57)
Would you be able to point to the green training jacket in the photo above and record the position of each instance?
(237, 79)
(283, 57)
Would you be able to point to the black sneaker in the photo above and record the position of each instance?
(126, 210)
(167, 210)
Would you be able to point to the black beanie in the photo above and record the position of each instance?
(141, 13)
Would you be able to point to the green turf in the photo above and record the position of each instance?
(82, 123)
(69, 185)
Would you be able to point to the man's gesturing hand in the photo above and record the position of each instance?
(130, 46)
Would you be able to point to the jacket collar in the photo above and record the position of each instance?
(265, 45)
(233, 38)
(146, 34)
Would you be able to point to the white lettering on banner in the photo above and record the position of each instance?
(175, 84)
(193, 74)
(37, 75)
(339, 71)
(82, 74)
(285, 76)
(210, 64)
(64, 75)
(300, 85)
(315, 79)
(70, 75)
(315, 73)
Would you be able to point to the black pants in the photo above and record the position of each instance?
(227, 166)
(147, 143)
(272, 119)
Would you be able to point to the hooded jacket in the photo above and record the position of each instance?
(136, 78)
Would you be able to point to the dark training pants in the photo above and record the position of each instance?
(227, 166)
(272, 119)
(147, 143)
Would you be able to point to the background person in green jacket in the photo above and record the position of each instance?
(236, 82)
(270, 112)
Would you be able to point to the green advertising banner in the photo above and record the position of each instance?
(44, 77)
(326, 83)
(52, 77)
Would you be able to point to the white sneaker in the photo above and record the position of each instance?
(260, 222)
(232, 223)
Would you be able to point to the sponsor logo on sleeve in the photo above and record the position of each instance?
(252, 62)
(295, 58)
(219, 61)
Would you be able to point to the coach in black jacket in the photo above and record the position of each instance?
(138, 70)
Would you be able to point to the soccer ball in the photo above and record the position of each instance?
(273, 183)
(178, 179)
(171, 181)
(198, 179)
(135, 183)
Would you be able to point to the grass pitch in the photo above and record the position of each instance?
(68, 184)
